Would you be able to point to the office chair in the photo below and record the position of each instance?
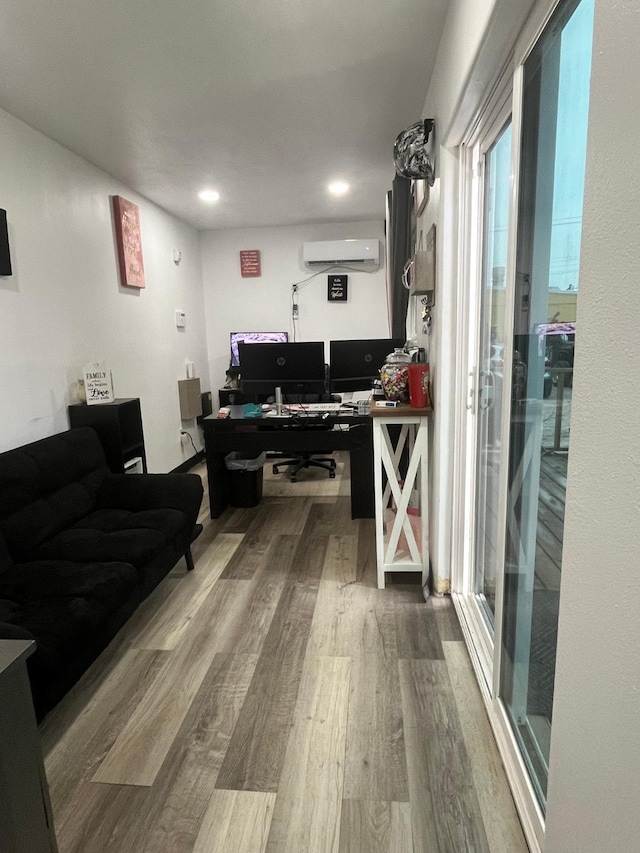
(308, 458)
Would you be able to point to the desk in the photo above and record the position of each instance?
(290, 435)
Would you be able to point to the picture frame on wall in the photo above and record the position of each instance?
(129, 241)
(424, 279)
(337, 288)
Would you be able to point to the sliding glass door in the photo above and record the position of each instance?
(524, 166)
(492, 339)
(555, 99)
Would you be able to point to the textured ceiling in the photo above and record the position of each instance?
(265, 100)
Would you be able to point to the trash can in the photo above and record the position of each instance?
(245, 478)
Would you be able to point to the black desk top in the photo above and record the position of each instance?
(348, 416)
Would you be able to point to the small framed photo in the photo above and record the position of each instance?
(337, 288)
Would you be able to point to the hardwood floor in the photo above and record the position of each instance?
(275, 701)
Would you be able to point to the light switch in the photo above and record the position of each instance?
(180, 318)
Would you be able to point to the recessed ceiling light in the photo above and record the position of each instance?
(210, 196)
(338, 188)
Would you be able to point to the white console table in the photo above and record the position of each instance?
(402, 491)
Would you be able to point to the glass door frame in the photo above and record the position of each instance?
(485, 652)
(485, 644)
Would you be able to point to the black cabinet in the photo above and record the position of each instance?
(26, 822)
(119, 427)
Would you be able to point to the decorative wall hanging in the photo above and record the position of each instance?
(337, 288)
(5, 257)
(250, 263)
(98, 383)
(411, 152)
(127, 222)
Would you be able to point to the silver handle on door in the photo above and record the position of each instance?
(486, 390)
(470, 390)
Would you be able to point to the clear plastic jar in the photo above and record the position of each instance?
(394, 376)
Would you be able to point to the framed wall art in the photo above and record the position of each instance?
(129, 240)
(337, 288)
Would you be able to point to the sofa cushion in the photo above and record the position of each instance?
(5, 558)
(115, 534)
(48, 485)
(69, 610)
(62, 604)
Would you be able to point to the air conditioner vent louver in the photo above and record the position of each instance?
(328, 252)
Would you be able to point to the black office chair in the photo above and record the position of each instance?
(308, 459)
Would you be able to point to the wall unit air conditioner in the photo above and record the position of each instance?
(328, 252)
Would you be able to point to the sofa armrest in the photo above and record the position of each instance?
(152, 491)
(9, 631)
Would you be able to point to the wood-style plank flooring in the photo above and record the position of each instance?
(275, 701)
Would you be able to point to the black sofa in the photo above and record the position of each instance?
(80, 548)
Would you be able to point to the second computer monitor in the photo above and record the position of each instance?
(297, 368)
(355, 364)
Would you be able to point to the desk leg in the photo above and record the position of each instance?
(219, 486)
(362, 491)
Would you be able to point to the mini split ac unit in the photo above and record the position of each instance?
(327, 252)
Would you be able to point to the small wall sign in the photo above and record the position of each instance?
(98, 383)
(250, 263)
(337, 288)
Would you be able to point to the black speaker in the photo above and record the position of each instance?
(5, 257)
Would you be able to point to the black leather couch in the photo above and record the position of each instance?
(80, 548)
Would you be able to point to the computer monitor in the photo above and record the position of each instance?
(353, 365)
(297, 368)
(254, 338)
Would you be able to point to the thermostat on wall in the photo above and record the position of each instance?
(180, 319)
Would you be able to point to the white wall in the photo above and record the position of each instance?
(594, 780)
(64, 306)
(235, 304)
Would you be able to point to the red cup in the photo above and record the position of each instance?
(419, 385)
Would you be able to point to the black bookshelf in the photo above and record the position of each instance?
(119, 427)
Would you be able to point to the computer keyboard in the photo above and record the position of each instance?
(313, 407)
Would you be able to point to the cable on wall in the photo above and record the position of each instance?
(297, 286)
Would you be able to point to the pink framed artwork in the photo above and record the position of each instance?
(250, 263)
(127, 222)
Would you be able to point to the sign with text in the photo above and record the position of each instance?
(98, 383)
(129, 240)
(337, 288)
(250, 263)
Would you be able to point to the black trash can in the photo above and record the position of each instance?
(245, 477)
